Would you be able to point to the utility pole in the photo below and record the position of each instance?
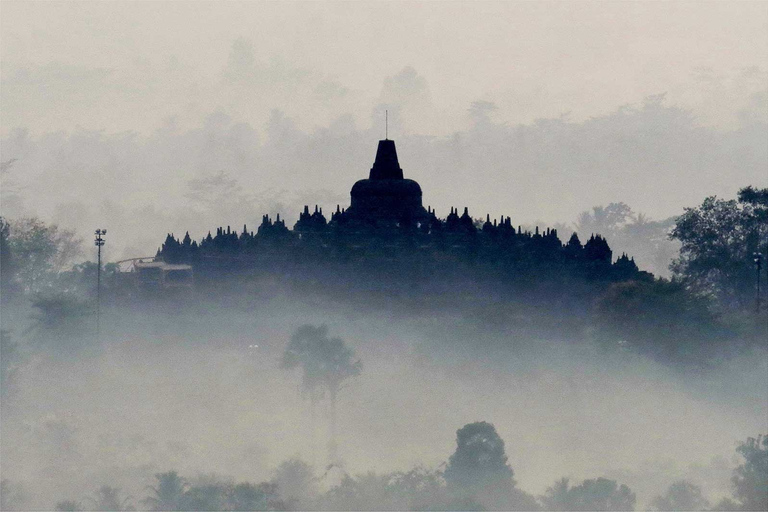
(99, 241)
(758, 258)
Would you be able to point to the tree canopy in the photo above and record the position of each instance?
(719, 239)
(480, 459)
(326, 362)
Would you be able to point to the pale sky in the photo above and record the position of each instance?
(533, 59)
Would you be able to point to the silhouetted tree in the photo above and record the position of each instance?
(479, 460)
(168, 492)
(718, 240)
(557, 496)
(418, 489)
(108, 498)
(297, 484)
(68, 506)
(248, 496)
(750, 479)
(60, 313)
(9, 361)
(7, 271)
(607, 221)
(681, 495)
(600, 494)
(40, 252)
(661, 319)
(326, 363)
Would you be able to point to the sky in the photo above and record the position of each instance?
(534, 59)
(538, 110)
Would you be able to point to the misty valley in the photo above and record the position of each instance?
(498, 255)
(380, 365)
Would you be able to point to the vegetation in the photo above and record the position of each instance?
(325, 362)
(597, 494)
(719, 240)
(477, 477)
(681, 495)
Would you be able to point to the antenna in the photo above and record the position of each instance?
(386, 125)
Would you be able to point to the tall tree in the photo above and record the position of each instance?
(167, 493)
(718, 239)
(40, 252)
(750, 479)
(326, 363)
(297, 483)
(479, 460)
(107, 498)
(6, 259)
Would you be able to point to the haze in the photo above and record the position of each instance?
(149, 118)
(534, 110)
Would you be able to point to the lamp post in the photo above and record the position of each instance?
(99, 242)
(758, 259)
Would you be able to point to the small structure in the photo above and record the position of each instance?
(154, 274)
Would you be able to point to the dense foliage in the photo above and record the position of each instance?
(477, 477)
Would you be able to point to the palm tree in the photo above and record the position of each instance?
(326, 363)
(107, 498)
(168, 492)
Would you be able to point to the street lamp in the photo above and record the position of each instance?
(758, 259)
(99, 241)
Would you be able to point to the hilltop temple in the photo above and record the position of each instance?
(386, 195)
(387, 234)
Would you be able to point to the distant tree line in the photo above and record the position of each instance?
(477, 476)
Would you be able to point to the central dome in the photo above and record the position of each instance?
(386, 195)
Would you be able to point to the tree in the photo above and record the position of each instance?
(557, 497)
(12, 496)
(681, 495)
(750, 479)
(168, 492)
(248, 496)
(418, 489)
(108, 498)
(479, 460)
(592, 495)
(606, 221)
(40, 252)
(297, 483)
(6, 259)
(10, 358)
(208, 496)
(326, 364)
(718, 240)
(217, 495)
(60, 313)
(661, 319)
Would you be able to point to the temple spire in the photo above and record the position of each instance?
(386, 166)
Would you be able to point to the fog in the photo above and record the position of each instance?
(199, 389)
(148, 118)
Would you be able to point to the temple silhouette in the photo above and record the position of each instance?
(386, 239)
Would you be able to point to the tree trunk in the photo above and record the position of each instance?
(333, 455)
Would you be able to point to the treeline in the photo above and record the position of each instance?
(477, 476)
